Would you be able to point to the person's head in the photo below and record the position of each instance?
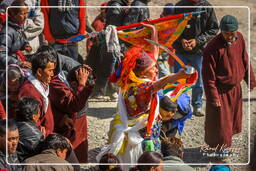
(152, 157)
(58, 143)
(129, 1)
(193, 1)
(168, 10)
(172, 146)
(229, 27)
(145, 64)
(27, 110)
(18, 14)
(12, 136)
(43, 65)
(72, 79)
(167, 108)
(110, 159)
(15, 78)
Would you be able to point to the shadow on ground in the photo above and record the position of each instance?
(101, 113)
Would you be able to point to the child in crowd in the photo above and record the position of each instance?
(110, 159)
(149, 157)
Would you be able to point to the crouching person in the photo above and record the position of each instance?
(54, 150)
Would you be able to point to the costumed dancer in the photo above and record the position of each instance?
(136, 126)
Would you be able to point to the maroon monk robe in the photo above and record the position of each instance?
(224, 67)
(67, 102)
(46, 118)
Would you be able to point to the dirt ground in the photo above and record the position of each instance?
(100, 112)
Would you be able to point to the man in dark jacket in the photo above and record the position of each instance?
(30, 136)
(190, 44)
(114, 16)
(61, 23)
(12, 143)
(136, 15)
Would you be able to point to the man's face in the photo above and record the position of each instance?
(46, 74)
(129, 1)
(21, 17)
(62, 153)
(12, 140)
(229, 36)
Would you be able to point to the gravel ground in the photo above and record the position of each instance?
(100, 112)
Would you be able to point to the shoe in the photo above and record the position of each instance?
(197, 111)
(100, 97)
(113, 97)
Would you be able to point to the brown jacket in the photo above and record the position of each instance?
(47, 156)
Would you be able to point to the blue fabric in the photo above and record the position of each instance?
(219, 168)
(183, 102)
(197, 89)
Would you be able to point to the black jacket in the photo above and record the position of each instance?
(12, 158)
(136, 15)
(115, 16)
(64, 24)
(202, 27)
(30, 138)
(16, 40)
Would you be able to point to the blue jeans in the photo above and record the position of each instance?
(197, 89)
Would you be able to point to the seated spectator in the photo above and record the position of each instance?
(110, 159)
(37, 87)
(12, 142)
(172, 150)
(15, 81)
(54, 150)
(30, 136)
(16, 40)
(69, 107)
(152, 157)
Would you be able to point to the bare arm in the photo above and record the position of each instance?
(154, 37)
(169, 79)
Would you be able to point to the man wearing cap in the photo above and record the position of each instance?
(225, 65)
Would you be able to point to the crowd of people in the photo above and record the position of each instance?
(45, 85)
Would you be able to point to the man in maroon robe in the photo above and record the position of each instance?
(69, 108)
(37, 87)
(225, 65)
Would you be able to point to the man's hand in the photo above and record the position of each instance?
(216, 104)
(82, 75)
(186, 45)
(68, 122)
(26, 64)
(192, 43)
(28, 48)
